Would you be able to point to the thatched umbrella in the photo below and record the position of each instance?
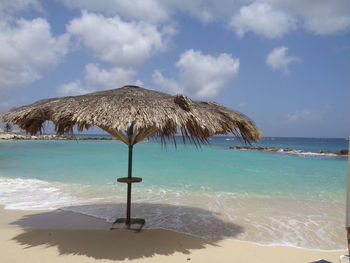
(131, 114)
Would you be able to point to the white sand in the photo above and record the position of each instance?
(57, 236)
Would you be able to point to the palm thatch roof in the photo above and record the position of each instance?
(147, 112)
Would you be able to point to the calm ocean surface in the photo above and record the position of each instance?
(295, 199)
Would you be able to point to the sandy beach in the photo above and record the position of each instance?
(58, 236)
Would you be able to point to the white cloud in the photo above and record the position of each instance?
(327, 24)
(321, 17)
(97, 79)
(157, 11)
(275, 18)
(166, 84)
(200, 76)
(262, 19)
(28, 50)
(278, 59)
(72, 88)
(108, 79)
(268, 18)
(150, 10)
(126, 44)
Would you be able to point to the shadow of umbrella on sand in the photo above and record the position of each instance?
(67, 232)
(132, 114)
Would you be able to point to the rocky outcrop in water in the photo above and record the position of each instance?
(257, 148)
(275, 149)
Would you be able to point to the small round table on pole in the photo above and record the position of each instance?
(129, 221)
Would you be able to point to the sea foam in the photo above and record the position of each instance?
(33, 194)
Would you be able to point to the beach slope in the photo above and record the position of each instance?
(58, 236)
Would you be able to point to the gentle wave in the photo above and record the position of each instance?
(33, 194)
(218, 219)
(303, 153)
(299, 152)
(261, 219)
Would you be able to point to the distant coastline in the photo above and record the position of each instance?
(85, 137)
(10, 136)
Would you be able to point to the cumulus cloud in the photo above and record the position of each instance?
(97, 79)
(28, 50)
(150, 10)
(166, 84)
(125, 44)
(278, 59)
(327, 23)
(200, 76)
(321, 17)
(72, 88)
(262, 19)
(267, 18)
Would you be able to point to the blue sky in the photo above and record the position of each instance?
(283, 63)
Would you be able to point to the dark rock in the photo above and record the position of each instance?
(343, 152)
(287, 149)
(272, 149)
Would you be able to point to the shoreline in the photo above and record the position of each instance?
(63, 236)
(187, 217)
(105, 225)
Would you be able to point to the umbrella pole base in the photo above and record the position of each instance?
(133, 221)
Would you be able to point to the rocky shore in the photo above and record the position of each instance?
(8, 136)
(275, 149)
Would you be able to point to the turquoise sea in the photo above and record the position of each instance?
(295, 198)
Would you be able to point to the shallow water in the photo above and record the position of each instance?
(213, 192)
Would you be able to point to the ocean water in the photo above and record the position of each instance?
(295, 199)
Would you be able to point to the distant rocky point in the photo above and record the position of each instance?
(8, 136)
(275, 149)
